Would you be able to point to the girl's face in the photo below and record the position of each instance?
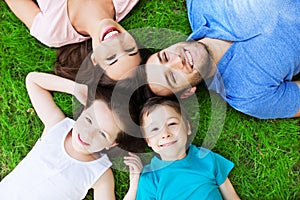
(115, 50)
(96, 129)
(166, 133)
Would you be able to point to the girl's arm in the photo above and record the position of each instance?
(25, 10)
(228, 191)
(39, 86)
(135, 167)
(104, 188)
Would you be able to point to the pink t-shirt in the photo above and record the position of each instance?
(53, 28)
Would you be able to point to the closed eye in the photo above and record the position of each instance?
(164, 57)
(111, 57)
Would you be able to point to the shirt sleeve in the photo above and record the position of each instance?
(146, 188)
(222, 168)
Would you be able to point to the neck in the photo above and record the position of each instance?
(216, 48)
(86, 14)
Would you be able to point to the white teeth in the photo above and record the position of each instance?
(110, 34)
(189, 57)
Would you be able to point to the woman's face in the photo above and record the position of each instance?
(116, 51)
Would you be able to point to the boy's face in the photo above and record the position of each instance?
(166, 133)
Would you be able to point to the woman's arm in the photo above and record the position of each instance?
(104, 188)
(25, 10)
(39, 86)
(135, 167)
(228, 191)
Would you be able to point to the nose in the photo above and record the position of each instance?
(175, 61)
(166, 134)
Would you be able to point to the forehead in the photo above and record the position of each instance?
(155, 75)
(159, 114)
(124, 68)
(103, 117)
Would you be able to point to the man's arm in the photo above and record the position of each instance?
(298, 113)
(228, 191)
(25, 10)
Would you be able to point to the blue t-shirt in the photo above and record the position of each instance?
(265, 54)
(197, 176)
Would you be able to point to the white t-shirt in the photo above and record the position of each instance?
(49, 173)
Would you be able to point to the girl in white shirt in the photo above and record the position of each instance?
(67, 161)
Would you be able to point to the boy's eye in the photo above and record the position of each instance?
(154, 129)
(88, 120)
(172, 124)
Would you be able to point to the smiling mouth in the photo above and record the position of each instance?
(82, 142)
(167, 144)
(110, 33)
(188, 58)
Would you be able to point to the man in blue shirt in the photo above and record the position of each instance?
(249, 47)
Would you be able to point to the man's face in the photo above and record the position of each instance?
(177, 67)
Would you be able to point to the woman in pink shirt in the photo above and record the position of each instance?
(61, 23)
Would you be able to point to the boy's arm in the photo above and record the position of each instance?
(228, 191)
(39, 86)
(104, 188)
(135, 167)
(25, 10)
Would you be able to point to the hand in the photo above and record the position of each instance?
(135, 167)
(80, 93)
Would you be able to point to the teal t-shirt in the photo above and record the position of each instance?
(197, 176)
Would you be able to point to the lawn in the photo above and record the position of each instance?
(265, 152)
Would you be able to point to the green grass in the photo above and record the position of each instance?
(265, 152)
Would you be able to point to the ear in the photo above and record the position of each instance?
(147, 141)
(93, 59)
(189, 131)
(112, 145)
(189, 92)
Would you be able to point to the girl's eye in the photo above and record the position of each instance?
(88, 120)
(103, 134)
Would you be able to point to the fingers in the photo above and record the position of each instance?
(134, 163)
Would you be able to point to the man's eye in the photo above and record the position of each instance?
(164, 57)
(88, 120)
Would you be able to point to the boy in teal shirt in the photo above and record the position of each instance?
(179, 171)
